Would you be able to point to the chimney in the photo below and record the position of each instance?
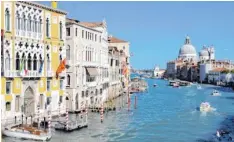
(54, 4)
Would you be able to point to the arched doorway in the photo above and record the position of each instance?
(77, 101)
(67, 103)
(29, 103)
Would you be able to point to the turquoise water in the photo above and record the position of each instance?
(164, 114)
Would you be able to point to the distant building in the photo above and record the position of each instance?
(220, 75)
(157, 73)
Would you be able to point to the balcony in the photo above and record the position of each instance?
(91, 84)
(10, 73)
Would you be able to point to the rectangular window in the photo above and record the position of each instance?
(8, 87)
(111, 63)
(86, 35)
(17, 103)
(100, 38)
(41, 98)
(8, 106)
(82, 33)
(48, 100)
(82, 94)
(60, 99)
(76, 31)
(95, 37)
(48, 85)
(68, 32)
(61, 84)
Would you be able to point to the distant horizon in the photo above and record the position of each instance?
(156, 30)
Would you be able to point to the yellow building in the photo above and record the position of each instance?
(33, 45)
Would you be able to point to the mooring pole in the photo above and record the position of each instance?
(101, 112)
(15, 119)
(22, 119)
(67, 119)
(44, 123)
(135, 101)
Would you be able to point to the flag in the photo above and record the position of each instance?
(41, 67)
(61, 67)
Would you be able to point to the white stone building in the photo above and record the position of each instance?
(206, 54)
(187, 51)
(87, 60)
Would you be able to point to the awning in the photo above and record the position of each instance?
(92, 71)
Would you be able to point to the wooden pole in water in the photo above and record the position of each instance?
(135, 101)
(38, 113)
(101, 112)
(86, 110)
(67, 118)
(49, 121)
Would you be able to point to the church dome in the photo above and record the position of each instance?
(204, 53)
(187, 48)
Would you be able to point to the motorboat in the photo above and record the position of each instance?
(176, 85)
(155, 85)
(205, 107)
(199, 87)
(215, 93)
(26, 132)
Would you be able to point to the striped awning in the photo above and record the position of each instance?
(91, 71)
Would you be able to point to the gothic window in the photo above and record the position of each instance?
(29, 62)
(47, 27)
(68, 80)
(35, 62)
(24, 60)
(7, 61)
(17, 20)
(40, 61)
(68, 52)
(7, 19)
(29, 23)
(61, 30)
(39, 26)
(60, 58)
(24, 22)
(17, 62)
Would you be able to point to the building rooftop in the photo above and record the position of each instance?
(112, 39)
(219, 69)
(92, 24)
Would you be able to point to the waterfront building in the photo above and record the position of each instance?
(87, 64)
(173, 68)
(115, 87)
(123, 48)
(218, 75)
(188, 52)
(32, 49)
(157, 72)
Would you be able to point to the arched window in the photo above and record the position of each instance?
(68, 80)
(24, 60)
(7, 19)
(24, 22)
(34, 24)
(60, 58)
(17, 20)
(29, 62)
(47, 27)
(68, 52)
(39, 26)
(35, 62)
(7, 61)
(61, 30)
(48, 62)
(17, 62)
(29, 23)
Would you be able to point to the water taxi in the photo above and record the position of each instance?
(199, 87)
(215, 93)
(205, 107)
(155, 85)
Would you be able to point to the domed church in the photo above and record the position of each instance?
(187, 51)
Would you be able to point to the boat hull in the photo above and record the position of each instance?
(22, 135)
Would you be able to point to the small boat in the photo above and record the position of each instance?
(199, 87)
(72, 125)
(26, 132)
(205, 107)
(176, 85)
(155, 85)
(215, 93)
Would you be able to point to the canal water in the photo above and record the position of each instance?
(163, 114)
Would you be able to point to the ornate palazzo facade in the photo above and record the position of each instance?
(33, 45)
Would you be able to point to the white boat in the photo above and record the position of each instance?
(205, 107)
(215, 93)
(199, 87)
(26, 132)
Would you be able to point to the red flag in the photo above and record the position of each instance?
(61, 67)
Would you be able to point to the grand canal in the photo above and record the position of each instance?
(164, 114)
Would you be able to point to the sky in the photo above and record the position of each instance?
(157, 30)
